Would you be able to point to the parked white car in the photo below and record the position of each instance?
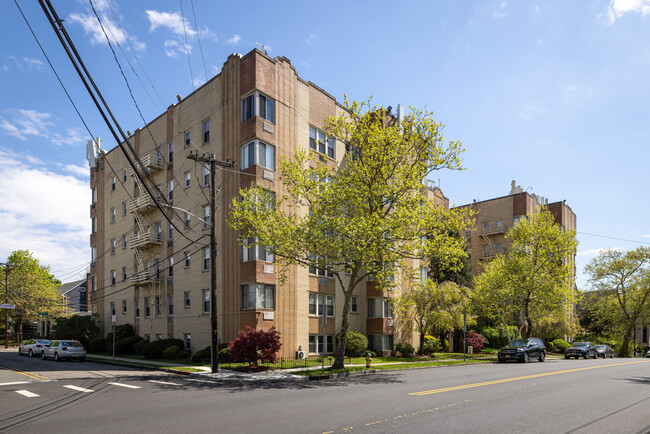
(32, 347)
(59, 350)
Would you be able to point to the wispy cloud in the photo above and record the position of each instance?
(594, 252)
(179, 27)
(312, 39)
(43, 211)
(24, 64)
(529, 112)
(618, 8)
(234, 40)
(23, 124)
(500, 12)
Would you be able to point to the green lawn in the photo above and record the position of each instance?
(408, 365)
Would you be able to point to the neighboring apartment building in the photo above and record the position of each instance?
(155, 275)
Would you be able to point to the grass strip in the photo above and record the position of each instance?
(391, 367)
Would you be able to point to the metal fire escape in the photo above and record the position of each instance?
(487, 233)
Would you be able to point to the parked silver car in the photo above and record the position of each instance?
(59, 350)
(33, 347)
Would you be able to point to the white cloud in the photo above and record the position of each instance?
(646, 235)
(530, 112)
(570, 87)
(91, 26)
(25, 64)
(313, 38)
(80, 171)
(44, 212)
(500, 12)
(594, 252)
(618, 8)
(23, 123)
(181, 29)
(234, 40)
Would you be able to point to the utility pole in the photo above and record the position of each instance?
(7, 306)
(214, 331)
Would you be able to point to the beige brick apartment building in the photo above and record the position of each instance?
(155, 276)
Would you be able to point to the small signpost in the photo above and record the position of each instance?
(8, 306)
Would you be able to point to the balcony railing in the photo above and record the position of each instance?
(150, 162)
(492, 253)
(142, 204)
(494, 230)
(145, 239)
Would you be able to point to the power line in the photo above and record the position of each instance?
(187, 47)
(198, 37)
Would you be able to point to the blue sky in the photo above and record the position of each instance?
(552, 94)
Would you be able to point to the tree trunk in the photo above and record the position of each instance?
(625, 347)
(339, 361)
(421, 352)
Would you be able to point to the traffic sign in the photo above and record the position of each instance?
(42, 313)
(7, 306)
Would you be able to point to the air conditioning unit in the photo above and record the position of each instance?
(301, 355)
(389, 322)
(268, 316)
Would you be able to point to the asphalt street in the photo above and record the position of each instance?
(557, 396)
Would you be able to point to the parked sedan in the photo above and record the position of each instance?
(33, 347)
(581, 349)
(59, 350)
(523, 350)
(604, 351)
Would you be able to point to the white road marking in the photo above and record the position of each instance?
(126, 385)
(79, 389)
(27, 393)
(164, 382)
(15, 382)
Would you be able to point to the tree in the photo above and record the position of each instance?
(436, 307)
(82, 328)
(534, 280)
(31, 288)
(254, 346)
(368, 215)
(625, 278)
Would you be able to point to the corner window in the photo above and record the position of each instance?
(258, 153)
(258, 296)
(251, 251)
(321, 143)
(260, 105)
(380, 308)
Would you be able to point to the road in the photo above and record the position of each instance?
(558, 396)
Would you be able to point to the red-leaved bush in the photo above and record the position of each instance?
(475, 340)
(254, 346)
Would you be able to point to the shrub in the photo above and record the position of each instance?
(405, 349)
(550, 346)
(139, 346)
(201, 355)
(125, 346)
(475, 340)
(431, 345)
(371, 352)
(356, 343)
(495, 337)
(182, 355)
(154, 350)
(254, 346)
(97, 345)
(170, 352)
(121, 331)
(224, 355)
(560, 345)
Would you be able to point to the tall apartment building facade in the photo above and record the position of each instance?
(155, 275)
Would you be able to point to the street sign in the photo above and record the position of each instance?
(42, 313)
(7, 306)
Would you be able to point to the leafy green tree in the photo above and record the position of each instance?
(82, 328)
(31, 288)
(534, 280)
(625, 278)
(368, 215)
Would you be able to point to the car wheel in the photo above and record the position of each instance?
(566, 357)
(501, 360)
(31, 353)
(542, 356)
(43, 357)
(586, 356)
(524, 358)
(56, 357)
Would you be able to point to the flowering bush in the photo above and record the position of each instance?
(254, 346)
(475, 340)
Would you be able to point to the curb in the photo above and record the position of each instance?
(342, 375)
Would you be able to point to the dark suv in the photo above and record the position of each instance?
(581, 349)
(523, 350)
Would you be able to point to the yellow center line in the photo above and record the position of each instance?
(27, 374)
(527, 377)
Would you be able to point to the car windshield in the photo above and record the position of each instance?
(580, 344)
(42, 341)
(71, 344)
(518, 343)
(601, 347)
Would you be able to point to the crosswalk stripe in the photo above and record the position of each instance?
(14, 382)
(79, 389)
(164, 382)
(130, 386)
(27, 393)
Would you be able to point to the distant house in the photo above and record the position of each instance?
(75, 297)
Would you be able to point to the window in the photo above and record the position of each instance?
(258, 296)
(188, 141)
(93, 254)
(93, 225)
(158, 336)
(170, 190)
(93, 283)
(206, 176)
(147, 337)
(187, 179)
(258, 153)
(123, 175)
(186, 299)
(157, 301)
(423, 274)
(123, 208)
(187, 219)
(206, 259)
(206, 301)
(320, 143)
(170, 152)
(124, 276)
(206, 131)
(516, 220)
(113, 215)
(255, 252)
(123, 306)
(316, 344)
(170, 267)
(206, 216)
(325, 272)
(112, 274)
(354, 304)
(93, 195)
(379, 308)
(124, 241)
(113, 183)
(260, 105)
(157, 269)
(486, 226)
(113, 246)
(497, 224)
(112, 308)
(136, 307)
(380, 342)
(317, 302)
(170, 304)
(170, 231)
